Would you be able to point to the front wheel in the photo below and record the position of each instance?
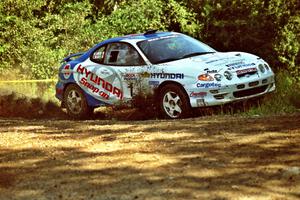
(76, 104)
(173, 102)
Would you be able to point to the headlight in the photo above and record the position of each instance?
(205, 77)
(261, 68)
(218, 77)
(228, 75)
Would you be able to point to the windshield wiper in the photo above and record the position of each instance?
(195, 54)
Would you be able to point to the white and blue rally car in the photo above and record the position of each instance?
(181, 72)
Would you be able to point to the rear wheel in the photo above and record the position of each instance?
(76, 104)
(173, 102)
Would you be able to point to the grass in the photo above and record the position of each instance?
(43, 90)
(29, 100)
(286, 98)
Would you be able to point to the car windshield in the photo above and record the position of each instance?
(171, 48)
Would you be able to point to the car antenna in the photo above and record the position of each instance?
(151, 31)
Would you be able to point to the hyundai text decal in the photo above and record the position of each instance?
(162, 75)
(98, 81)
(167, 75)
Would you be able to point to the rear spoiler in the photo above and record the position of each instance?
(68, 58)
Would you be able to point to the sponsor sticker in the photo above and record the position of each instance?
(162, 75)
(216, 60)
(67, 71)
(154, 83)
(130, 77)
(145, 75)
(245, 71)
(208, 85)
(198, 94)
(167, 75)
(163, 37)
(237, 66)
(211, 71)
(98, 85)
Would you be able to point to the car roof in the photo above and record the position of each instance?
(140, 37)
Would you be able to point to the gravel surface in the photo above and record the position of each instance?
(218, 157)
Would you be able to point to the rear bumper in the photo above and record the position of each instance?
(59, 90)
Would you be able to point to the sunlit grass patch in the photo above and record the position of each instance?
(32, 89)
(29, 99)
(286, 98)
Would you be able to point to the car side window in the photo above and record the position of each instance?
(122, 54)
(98, 55)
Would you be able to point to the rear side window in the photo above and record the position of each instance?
(98, 55)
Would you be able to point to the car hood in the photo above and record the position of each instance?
(215, 62)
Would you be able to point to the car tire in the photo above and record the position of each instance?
(75, 102)
(173, 102)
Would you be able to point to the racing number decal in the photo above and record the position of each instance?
(106, 87)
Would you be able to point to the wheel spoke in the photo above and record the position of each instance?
(169, 96)
(176, 99)
(171, 111)
(72, 94)
(177, 108)
(166, 104)
(78, 100)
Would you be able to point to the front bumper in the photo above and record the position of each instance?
(201, 97)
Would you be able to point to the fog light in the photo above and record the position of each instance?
(255, 83)
(241, 86)
(214, 91)
(264, 81)
(218, 77)
(228, 75)
(219, 96)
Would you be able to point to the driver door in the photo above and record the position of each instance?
(120, 65)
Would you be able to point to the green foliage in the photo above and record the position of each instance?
(268, 28)
(36, 35)
(131, 17)
(288, 46)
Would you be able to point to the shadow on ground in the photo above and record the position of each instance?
(200, 158)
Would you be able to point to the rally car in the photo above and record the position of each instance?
(181, 72)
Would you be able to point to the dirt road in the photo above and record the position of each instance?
(221, 157)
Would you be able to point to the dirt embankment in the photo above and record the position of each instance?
(201, 158)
